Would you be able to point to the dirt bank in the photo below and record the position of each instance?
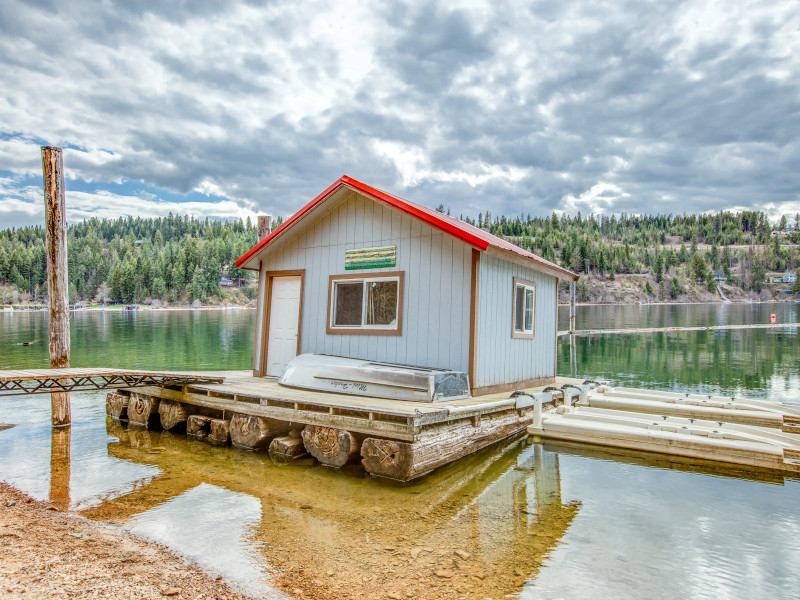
(45, 553)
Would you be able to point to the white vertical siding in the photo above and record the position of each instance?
(501, 358)
(437, 283)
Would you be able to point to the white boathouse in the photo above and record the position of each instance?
(361, 273)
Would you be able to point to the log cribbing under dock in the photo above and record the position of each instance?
(393, 439)
(40, 381)
(632, 330)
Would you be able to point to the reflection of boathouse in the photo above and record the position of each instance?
(500, 508)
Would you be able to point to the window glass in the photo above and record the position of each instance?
(381, 302)
(349, 303)
(529, 303)
(519, 312)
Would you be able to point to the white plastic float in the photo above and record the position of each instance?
(596, 416)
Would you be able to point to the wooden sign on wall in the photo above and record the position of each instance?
(370, 258)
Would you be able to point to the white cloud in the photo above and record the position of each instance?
(506, 106)
(27, 204)
(598, 199)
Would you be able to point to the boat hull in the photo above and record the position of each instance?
(374, 379)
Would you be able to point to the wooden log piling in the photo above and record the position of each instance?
(117, 405)
(250, 432)
(331, 446)
(220, 431)
(438, 445)
(286, 448)
(142, 409)
(57, 281)
(264, 226)
(198, 426)
(172, 414)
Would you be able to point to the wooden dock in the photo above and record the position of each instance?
(393, 439)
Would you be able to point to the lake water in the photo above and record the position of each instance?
(541, 521)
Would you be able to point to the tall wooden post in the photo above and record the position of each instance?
(264, 226)
(572, 297)
(57, 282)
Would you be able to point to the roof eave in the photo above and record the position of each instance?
(532, 263)
(253, 253)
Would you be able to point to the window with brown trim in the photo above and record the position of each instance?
(365, 304)
(523, 313)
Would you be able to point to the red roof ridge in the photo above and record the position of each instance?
(474, 236)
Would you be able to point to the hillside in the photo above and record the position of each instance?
(164, 260)
(625, 258)
(643, 258)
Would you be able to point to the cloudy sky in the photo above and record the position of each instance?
(224, 110)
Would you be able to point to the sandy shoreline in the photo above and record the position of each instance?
(48, 553)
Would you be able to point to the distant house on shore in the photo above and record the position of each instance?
(788, 277)
(364, 274)
(719, 277)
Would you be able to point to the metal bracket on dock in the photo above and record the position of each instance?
(537, 400)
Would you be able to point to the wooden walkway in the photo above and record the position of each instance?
(41, 381)
(676, 329)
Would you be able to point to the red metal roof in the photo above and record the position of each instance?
(475, 237)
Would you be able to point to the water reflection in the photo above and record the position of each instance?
(476, 529)
(612, 316)
(656, 533)
(60, 449)
(70, 466)
(150, 339)
(755, 363)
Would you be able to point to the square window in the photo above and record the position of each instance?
(365, 304)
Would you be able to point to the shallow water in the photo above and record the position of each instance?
(559, 521)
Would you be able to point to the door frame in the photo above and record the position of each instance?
(261, 369)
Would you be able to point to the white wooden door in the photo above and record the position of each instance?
(284, 323)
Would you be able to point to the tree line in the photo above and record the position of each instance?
(742, 247)
(174, 259)
(181, 259)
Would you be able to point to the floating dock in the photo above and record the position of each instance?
(722, 429)
(393, 439)
(403, 441)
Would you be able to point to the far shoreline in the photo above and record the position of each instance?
(186, 307)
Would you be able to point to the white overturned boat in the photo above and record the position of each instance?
(374, 379)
